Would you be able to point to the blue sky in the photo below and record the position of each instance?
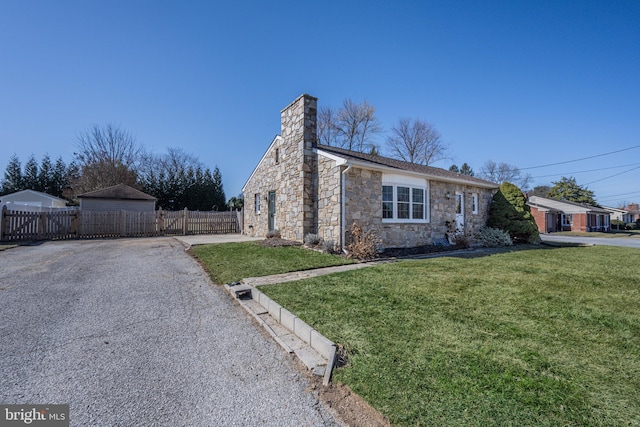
(524, 82)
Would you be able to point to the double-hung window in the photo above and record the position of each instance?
(404, 199)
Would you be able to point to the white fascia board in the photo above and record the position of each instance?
(339, 160)
(389, 169)
(264, 156)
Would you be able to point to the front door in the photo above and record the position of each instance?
(459, 212)
(272, 210)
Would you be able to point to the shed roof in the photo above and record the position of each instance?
(119, 192)
(18, 194)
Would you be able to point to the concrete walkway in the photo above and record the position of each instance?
(208, 239)
(306, 274)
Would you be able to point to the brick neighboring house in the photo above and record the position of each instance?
(557, 215)
(634, 212)
(301, 187)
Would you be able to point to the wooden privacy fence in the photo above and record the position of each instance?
(19, 225)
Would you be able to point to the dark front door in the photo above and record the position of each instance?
(272, 210)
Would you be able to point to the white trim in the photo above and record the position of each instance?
(339, 160)
(411, 182)
(264, 156)
(475, 203)
(363, 164)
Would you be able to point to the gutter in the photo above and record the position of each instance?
(342, 204)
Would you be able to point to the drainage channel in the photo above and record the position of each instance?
(294, 335)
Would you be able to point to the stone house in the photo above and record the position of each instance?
(559, 215)
(301, 187)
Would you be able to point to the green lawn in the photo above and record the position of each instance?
(546, 337)
(230, 262)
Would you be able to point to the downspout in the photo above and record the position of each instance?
(342, 205)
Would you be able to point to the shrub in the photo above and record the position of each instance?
(493, 238)
(363, 245)
(616, 224)
(312, 240)
(329, 246)
(275, 234)
(633, 226)
(510, 212)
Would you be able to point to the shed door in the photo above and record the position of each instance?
(272, 210)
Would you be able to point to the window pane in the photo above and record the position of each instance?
(387, 193)
(418, 211)
(403, 194)
(403, 210)
(418, 195)
(387, 209)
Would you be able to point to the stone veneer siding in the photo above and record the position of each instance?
(329, 202)
(292, 178)
(364, 205)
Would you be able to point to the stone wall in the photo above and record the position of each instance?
(364, 205)
(329, 199)
(291, 173)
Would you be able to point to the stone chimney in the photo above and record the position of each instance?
(299, 135)
(299, 122)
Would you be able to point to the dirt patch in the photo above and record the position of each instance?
(350, 408)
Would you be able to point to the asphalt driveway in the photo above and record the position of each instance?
(131, 332)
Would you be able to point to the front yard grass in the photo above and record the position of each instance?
(543, 337)
(229, 262)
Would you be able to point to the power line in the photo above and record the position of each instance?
(591, 170)
(578, 160)
(615, 196)
(611, 176)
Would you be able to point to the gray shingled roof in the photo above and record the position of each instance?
(405, 166)
(120, 191)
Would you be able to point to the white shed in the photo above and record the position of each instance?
(31, 200)
(119, 197)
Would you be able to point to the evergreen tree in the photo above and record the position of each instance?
(567, 189)
(454, 168)
(510, 212)
(59, 178)
(46, 182)
(12, 180)
(31, 179)
(465, 169)
(219, 199)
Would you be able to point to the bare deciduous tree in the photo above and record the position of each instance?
(327, 126)
(353, 126)
(107, 155)
(501, 172)
(416, 141)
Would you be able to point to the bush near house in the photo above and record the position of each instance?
(510, 212)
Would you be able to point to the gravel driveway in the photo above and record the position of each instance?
(131, 332)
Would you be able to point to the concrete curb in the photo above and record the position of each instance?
(293, 334)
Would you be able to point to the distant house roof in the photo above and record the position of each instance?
(563, 206)
(371, 160)
(17, 196)
(118, 192)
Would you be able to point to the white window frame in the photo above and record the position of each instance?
(256, 201)
(413, 183)
(474, 203)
